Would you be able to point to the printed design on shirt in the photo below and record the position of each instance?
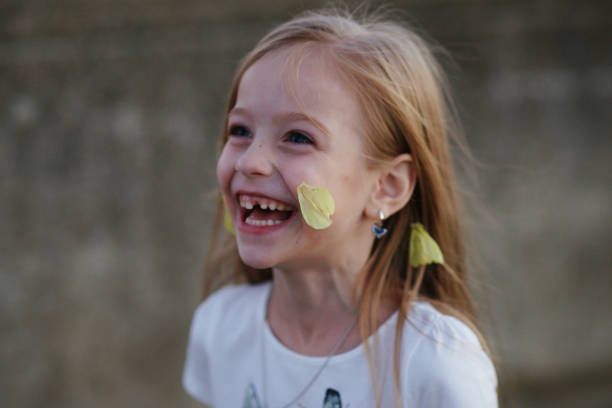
(332, 399)
(251, 399)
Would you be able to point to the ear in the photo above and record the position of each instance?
(393, 188)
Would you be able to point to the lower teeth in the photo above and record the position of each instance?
(262, 223)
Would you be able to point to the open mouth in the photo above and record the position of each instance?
(263, 212)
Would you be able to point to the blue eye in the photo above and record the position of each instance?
(240, 131)
(299, 138)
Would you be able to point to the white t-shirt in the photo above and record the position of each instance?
(234, 360)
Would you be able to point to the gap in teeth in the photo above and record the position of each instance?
(249, 204)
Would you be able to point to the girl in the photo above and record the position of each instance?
(335, 175)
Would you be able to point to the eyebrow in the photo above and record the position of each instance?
(287, 116)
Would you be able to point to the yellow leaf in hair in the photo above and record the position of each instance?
(317, 205)
(423, 248)
(227, 218)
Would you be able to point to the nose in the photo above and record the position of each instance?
(255, 161)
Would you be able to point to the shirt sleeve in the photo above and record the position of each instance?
(450, 369)
(196, 373)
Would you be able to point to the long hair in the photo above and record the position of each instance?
(405, 102)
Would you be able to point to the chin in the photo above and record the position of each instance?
(257, 261)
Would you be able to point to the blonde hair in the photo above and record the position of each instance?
(403, 94)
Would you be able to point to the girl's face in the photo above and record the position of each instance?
(280, 136)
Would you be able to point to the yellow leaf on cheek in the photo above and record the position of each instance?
(317, 205)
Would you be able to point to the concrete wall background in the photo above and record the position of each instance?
(111, 110)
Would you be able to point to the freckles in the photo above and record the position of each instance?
(347, 179)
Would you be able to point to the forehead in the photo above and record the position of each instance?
(300, 79)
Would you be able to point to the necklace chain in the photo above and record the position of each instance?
(317, 374)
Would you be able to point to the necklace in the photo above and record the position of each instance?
(317, 374)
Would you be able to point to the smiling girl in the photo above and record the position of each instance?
(344, 283)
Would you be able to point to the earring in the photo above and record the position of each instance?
(377, 229)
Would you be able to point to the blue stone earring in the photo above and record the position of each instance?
(377, 229)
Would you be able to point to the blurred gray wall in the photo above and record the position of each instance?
(110, 114)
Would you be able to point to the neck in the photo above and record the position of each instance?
(310, 310)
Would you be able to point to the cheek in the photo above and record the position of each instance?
(296, 171)
(355, 189)
(225, 170)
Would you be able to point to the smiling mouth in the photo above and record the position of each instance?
(263, 212)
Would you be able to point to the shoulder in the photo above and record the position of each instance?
(446, 364)
(232, 298)
(228, 307)
(221, 326)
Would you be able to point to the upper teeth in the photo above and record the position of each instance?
(265, 204)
